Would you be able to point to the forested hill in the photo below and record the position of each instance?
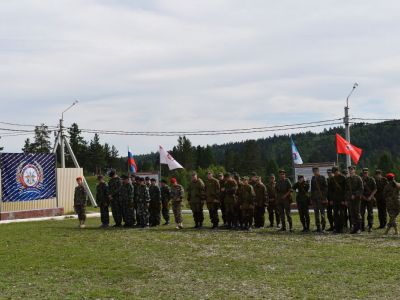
(380, 143)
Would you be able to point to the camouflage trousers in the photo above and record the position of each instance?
(330, 215)
(223, 214)
(165, 210)
(354, 209)
(104, 214)
(177, 210)
(128, 214)
(393, 218)
(116, 207)
(304, 213)
(80, 210)
(273, 211)
(284, 210)
(142, 214)
(197, 209)
(247, 217)
(155, 214)
(319, 214)
(367, 206)
(259, 216)
(230, 214)
(382, 213)
(213, 210)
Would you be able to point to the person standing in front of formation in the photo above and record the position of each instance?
(367, 200)
(177, 194)
(319, 188)
(272, 205)
(103, 201)
(303, 201)
(329, 209)
(354, 191)
(246, 203)
(230, 200)
(381, 182)
(114, 188)
(196, 197)
(212, 189)
(143, 200)
(261, 202)
(80, 198)
(127, 199)
(165, 199)
(155, 204)
(284, 199)
(391, 193)
(338, 182)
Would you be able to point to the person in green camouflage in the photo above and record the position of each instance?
(155, 204)
(354, 191)
(230, 200)
(319, 189)
(246, 202)
(272, 205)
(114, 187)
(237, 211)
(103, 201)
(367, 200)
(212, 190)
(284, 199)
(303, 201)
(381, 182)
(80, 198)
(391, 194)
(196, 197)
(338, 186)
(177, 194)
(126, 195)
(261, 202)
(346, 223)
(329, 208)
(165, 199)
(222, 197)
(143, 200)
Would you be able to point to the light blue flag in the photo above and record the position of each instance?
(295, 154)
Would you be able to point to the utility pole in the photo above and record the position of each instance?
(61, 134)
(346, 121)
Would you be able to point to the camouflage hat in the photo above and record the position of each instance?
(245, 178)
(227, 175)
(220, 174)
(352, 168)
(378, 172)
(345, 172)
(194, 173)
(124, 177)
(281, 171)
(365, 170)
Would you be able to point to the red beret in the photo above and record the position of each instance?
(173, 180)
(390, 176)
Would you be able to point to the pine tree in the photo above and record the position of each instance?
(78, 145)
(184, 153)
(96, 155)
(28, 146)
(385, 162)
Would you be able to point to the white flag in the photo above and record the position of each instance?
(167, 159)
(296, 154)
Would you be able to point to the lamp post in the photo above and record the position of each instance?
(62, 145)
(347, 123)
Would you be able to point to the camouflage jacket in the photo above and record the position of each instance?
(391, 194)
(369, 186)
(80, 196)
(231, 188)
(143, 195)
(354, 187)
(271, 190)
(380, 186)
(114, 187)
(155, 194)
(196, 191)
(177, 193)
(338, 186)
(301, 189)
(102, 194)
(165, 193)
(212, 189)
(319, 188)
(247, 197)
(283, 187)
(261, 194)
(127, 193)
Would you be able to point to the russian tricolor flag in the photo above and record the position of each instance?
(131, 163)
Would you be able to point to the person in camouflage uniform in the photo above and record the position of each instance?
(303, 201)
(126, 195)
(246, 202)
(272, 206)
(237, 211)
(103, 201)
(346, 211)
(155, 204)
(196, 197)
(221, 197)
(284, 199)
(260, 203)
(381, 182)
(80, 198)
(165, 199)
(230, 189)
(143, 200)
(367, 200)
(354, 191)
(177, 194)
(338, 186)
(319, 189)
(329, 208)
(114, 187)
(391, 194)
(212, 189)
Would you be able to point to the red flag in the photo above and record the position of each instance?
(344, 147)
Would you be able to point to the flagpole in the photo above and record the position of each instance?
(129, 169)
(159, 153)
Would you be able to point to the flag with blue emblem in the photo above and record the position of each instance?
(296, 154)
(26, 177)
(131, 163)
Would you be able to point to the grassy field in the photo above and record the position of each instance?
(56, 260)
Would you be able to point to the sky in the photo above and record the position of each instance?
(178, 65)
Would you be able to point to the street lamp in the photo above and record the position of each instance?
(62, 145)
(346, 121)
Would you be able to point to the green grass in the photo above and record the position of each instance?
(56, 260)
